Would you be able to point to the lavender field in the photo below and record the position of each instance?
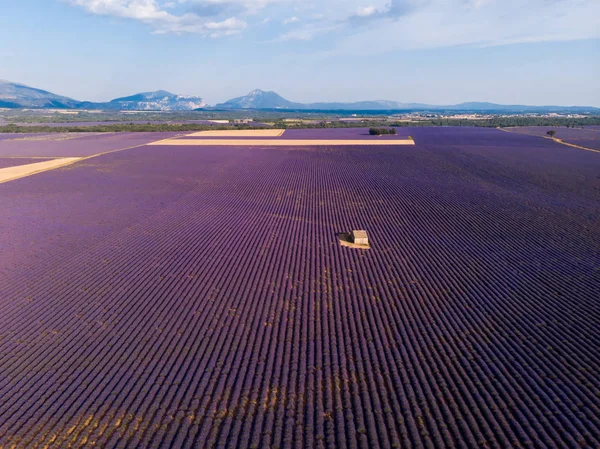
(11, 136)
(199, 297)
(325, 134)
(73, 144)
(12, 162)
(342, 134)
(588, 137)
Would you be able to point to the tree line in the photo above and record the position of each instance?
(496, 122)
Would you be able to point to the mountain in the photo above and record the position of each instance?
(258, 99)
(377, 105)
(15, 95)
(515, 108)
(160, 100)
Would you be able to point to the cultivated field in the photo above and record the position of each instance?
(172, 296)
(585, 137)
(18, 171)
(13, 161)
(83, 144)
(280, 137)
(277, 142)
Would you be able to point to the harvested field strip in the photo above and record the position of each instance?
(279, 142)
(461, 327)
(15, 172)
(240, 133)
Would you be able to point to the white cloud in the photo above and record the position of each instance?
(245, 6)
(414, 24)
(366, 11)
(289, 20)
(228, 24)
(358, 24)
(308, 32)
(479, 3)
(162, 21)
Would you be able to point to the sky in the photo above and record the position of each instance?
(538, 52)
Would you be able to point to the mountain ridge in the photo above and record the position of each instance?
(20, 95)
(16, 95)
(259, 99)
(159, 100)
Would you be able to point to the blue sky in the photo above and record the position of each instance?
(430, 51)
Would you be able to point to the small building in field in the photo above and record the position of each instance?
(360, 238)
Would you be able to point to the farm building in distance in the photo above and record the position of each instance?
(360, 238)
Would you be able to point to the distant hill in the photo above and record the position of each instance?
(160, 100)
(259, 99)
(15, 95)
(493, 107)
(377, 105)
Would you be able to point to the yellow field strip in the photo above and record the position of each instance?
(555, 139)
(277, 143)
(240, 133)
(20, 171)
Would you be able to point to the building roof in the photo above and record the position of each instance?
(360, 234)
